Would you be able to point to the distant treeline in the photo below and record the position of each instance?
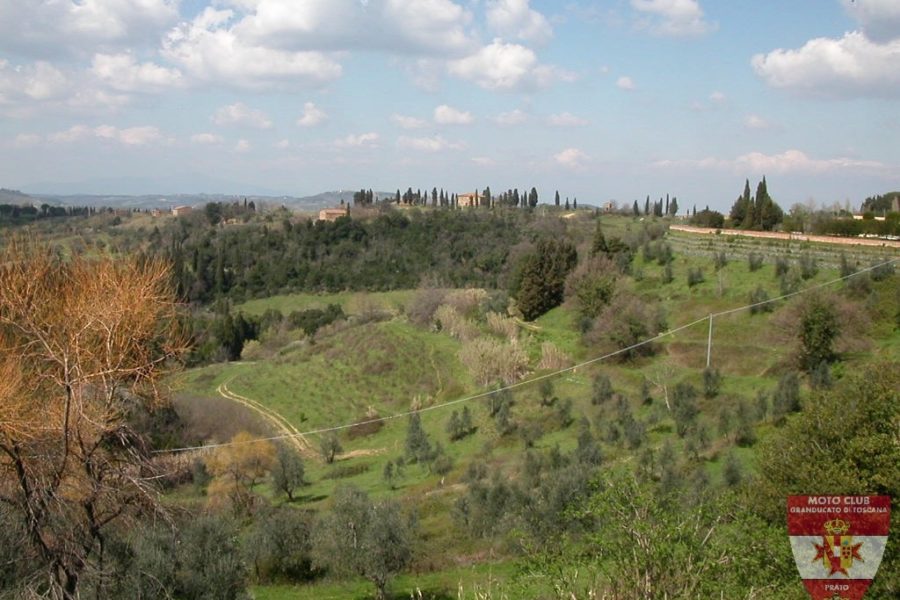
(15, 214)
(390, 251)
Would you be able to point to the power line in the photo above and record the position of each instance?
(519, 384)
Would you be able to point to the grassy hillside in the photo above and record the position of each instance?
(386, 367)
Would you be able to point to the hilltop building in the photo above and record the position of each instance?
(333, 214)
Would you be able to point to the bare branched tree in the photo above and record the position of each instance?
(80, 341)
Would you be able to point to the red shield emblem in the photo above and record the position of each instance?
(838, 542)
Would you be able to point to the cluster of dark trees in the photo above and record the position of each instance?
(16, 214)
(882, 203)
(757, 212)
(656, 208)
(217, 212)
(511, 198)
(223, 334)
(540, 280)
(391, 251)
(708, 218)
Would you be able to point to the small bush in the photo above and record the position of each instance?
(720, 259)
(695, 277)
(846, 268)
(781, 266)
(790, 282)
(712, 382)
(755, 261)
(809, 266)
(882, 271)
(667, 275)
(756, 297)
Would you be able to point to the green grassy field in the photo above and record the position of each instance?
(351, 302)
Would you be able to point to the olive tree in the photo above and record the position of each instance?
(363, 538)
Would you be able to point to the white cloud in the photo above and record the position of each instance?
(566, 119)
(240, 114)
(73, 134)
(312, 115)
(880, 19)
(447, 115)
(362, 140)
(571, 158)
(212, 52)
(406, 122)
(406, 27)
(283, 144)
(625, 83)
(131, 136)
(795, 160)
(515, 18)
(789, 161)
(206, 138)
(122, 72)
(484, 161)
(718, 97)
(242, 146)
(672, 17)
(851, 66)
(25, 140)
(756, 122)
(40, 81)
(81, 26)
(503, 66)
(137, 136)
(428, 144)
(513, 117)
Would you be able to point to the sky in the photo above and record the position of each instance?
(603, 100)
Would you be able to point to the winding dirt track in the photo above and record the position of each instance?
(281, 425)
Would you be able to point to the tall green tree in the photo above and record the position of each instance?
(818, 329)
(418, 446)
(540, 283)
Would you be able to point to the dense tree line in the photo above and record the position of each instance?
(15, 214)
(882, 203)
(391, 251)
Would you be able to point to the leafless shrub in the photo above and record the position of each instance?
(490, 361)
(503, 326)
(466, 302)
(552, 358)
(422, 307)
(450, 320)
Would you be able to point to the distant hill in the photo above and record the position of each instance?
(147, 201)
(16, 197)
(163, 201)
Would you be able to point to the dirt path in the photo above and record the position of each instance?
(281, 425)
(774, 235)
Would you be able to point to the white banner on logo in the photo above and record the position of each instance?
(810, 553)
